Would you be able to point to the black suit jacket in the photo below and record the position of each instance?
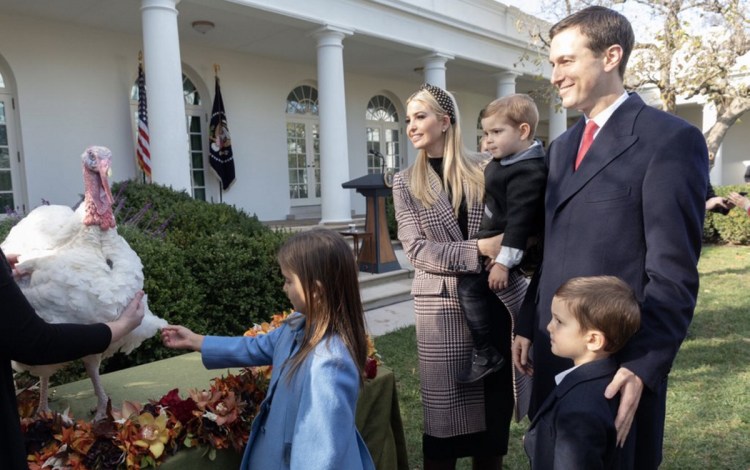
(575, 427)
(27, 338)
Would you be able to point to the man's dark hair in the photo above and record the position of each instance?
(603, 28)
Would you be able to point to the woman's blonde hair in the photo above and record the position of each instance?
(459, 165)
(325, 266)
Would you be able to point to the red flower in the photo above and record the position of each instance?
(181, 409)
(371, 368)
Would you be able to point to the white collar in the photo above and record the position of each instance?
(559, 377)
(602, 118)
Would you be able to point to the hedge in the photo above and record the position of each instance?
(731, 228)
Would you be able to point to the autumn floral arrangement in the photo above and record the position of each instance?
(143, 435)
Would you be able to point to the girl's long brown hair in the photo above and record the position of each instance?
(326, 268)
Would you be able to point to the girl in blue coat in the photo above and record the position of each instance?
(318, 357)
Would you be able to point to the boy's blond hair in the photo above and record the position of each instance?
(517, 109)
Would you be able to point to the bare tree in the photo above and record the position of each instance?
(687, 49)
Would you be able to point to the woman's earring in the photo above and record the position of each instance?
(445, 130)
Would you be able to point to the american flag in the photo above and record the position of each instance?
(142, 151)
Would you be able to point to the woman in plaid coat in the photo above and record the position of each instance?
(438, 202)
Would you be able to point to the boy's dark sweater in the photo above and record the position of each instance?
(514, 197)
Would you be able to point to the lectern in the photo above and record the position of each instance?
(376, 254)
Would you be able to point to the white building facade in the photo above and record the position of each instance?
(309, 87)
(313, 90)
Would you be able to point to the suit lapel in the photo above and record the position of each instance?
(444, 209)
(612, 141)
(589, 371)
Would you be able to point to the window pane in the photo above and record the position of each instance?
(190, 92)
(4, 158)
(195, 142)
(6, 202)
(5, 181)
(197, 160)
(199, 178)
(195, 124)
(199, 194)
(2, 81)
(302, 100)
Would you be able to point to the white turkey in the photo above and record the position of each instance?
(80, 270)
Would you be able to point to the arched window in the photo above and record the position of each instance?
(11, 199)
(194, 116)
(383, 130)
(303, 145)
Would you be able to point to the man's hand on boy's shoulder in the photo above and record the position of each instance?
(630, 388)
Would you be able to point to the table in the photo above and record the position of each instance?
(356, 235)
(378, 416)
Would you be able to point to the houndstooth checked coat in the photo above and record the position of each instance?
(433, 242)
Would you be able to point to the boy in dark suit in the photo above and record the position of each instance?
(592, 318)
(514, 181)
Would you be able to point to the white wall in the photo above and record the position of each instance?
(75, 92)
(71, 93)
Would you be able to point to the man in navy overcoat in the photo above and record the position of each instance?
(632, 206)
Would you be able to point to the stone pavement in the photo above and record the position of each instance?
(382, 320)
(388, 303)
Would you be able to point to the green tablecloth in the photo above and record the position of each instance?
(378, 416)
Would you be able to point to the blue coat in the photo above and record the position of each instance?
(575, 427)
(305, 423)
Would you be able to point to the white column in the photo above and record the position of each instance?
(709, 118)
(434, 68)
(335, 201)
(506, 83)
(170, 164)
(558, 119)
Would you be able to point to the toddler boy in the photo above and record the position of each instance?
(515, 180)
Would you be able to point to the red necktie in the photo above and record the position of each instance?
(588, 138)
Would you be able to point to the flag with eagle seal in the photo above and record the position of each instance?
(222, 160)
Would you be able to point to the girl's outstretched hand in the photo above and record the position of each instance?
(179, 337)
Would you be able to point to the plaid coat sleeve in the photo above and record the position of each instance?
(431, 237)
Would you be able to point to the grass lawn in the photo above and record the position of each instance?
(708, 408)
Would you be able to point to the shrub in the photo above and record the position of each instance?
(5, 226)
(240, 279)
(731, 228)
(154, 208)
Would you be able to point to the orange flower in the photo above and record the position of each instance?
(227, 410)
(129, 409)
(204, 397)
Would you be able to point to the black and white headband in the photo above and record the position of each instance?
(442, 98)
